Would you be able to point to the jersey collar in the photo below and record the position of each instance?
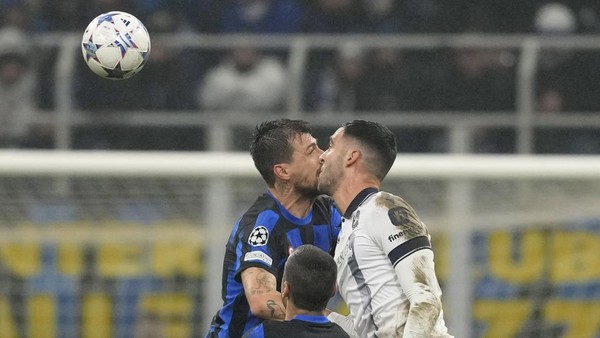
(312, 318)
(357, 201)
(285, 213)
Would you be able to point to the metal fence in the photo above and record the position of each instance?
(459, 126)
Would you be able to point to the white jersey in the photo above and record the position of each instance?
(385, 263)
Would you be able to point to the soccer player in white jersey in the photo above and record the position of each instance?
(384, 257)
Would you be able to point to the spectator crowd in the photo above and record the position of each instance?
(349, 78)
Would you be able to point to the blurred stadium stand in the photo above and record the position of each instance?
(446, 77)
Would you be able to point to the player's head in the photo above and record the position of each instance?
(377, 140)
(309, 278)
(365, 143)
(284, 150)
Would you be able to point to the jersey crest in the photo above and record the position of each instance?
(398, 216)
(355, 219)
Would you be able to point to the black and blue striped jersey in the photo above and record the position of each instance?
(302, 326)
(264, 237)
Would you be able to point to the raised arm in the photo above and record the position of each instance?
(260, 287)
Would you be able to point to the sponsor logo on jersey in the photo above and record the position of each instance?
(259, 236)
(395, 236)
(258, 256)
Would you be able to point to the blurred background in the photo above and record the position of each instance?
(109, 256)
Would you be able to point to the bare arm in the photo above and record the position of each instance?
(260, 287)
(419, 282)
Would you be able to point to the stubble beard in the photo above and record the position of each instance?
(308, 191)
(308, 187)
(329, 182)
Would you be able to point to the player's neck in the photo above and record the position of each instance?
(292, 311)
(295, 203)
(350, 188)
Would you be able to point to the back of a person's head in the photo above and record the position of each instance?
(271, 143)
(311, 275)
(379, 141)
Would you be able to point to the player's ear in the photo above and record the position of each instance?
(334, 290)
(285, 290)
(352, 157)
(281, 171)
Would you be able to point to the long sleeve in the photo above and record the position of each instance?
(345, 322)
(417, 277)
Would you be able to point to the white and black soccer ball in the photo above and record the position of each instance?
(259, 236)
(115, 45)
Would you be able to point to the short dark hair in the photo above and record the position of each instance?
(271, 143)
(311, 274)
(379, 139)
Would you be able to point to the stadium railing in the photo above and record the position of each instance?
(459, 126)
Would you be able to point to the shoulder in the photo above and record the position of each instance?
(386, 200)
(261, 203)
(387, 208)
(324, 199)
(262, 216)
(326, 206)
(264, 207)
(292, 328)
(274, 328)
(325, 203)
(394, 206)
(338, 331)
(256, 332)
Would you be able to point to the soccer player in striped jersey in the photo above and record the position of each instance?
(309, 279)
(384, 257)
(289, 214)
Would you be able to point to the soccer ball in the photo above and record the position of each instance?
(115, 45)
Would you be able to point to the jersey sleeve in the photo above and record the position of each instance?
(405, 241)
(259, 244)
(417, 277)
(399, 231)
